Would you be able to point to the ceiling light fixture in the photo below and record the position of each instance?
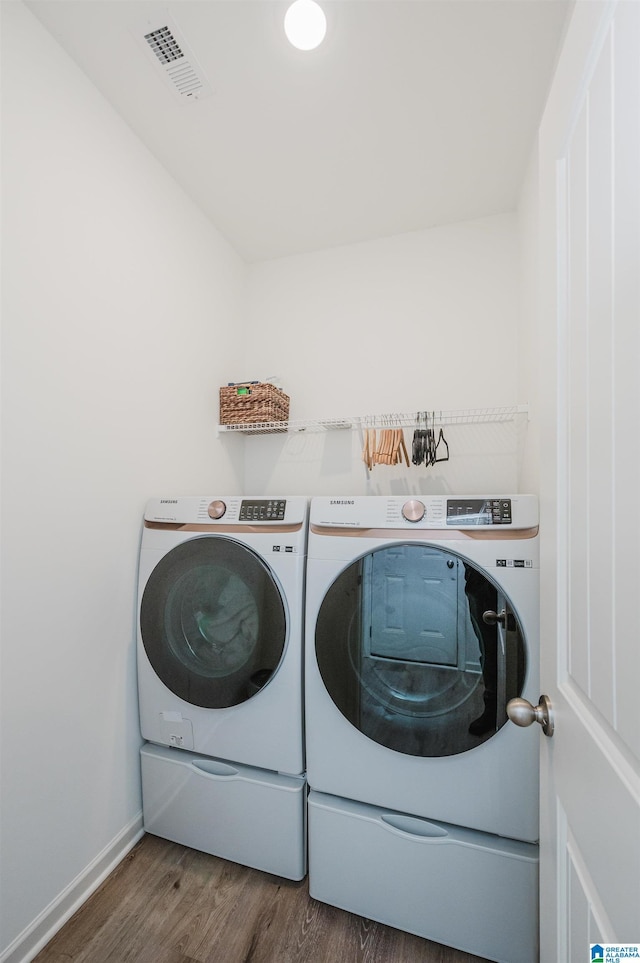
(305, 24)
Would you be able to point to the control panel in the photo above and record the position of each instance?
(224, 510)
(422, 512)
(262, 510)
(479, 511)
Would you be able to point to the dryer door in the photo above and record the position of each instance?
(212, 622)
(420, 650)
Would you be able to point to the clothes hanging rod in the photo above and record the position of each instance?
(466, 416)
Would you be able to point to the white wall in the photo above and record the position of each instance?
(117, 295)
(427, 320)
(531, 373)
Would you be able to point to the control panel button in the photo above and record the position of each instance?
(413, 510)
(216, 509)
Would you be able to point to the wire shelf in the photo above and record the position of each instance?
(467, 416)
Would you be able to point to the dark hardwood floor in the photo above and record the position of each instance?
(168, 904)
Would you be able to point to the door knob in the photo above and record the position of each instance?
(491, 618)
(523, 713)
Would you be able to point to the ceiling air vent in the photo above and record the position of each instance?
(164, 45)
(172, 57)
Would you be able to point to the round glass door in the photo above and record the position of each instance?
(213, 622)
(419, 650)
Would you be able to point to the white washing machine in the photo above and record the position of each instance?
(220, 656)
(422, 622)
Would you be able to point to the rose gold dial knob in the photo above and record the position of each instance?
(217, 509)
(413, 510)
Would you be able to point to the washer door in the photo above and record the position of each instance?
(420, 650)
(213, 623)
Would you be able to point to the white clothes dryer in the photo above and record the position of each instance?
(422, 622)
(220, 656)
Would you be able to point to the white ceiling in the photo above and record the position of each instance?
(413, 113)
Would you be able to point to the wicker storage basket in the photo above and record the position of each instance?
(253, 403)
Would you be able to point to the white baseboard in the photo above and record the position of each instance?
(32, 939)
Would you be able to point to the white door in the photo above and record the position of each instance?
(590, 485)
(413, 591)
